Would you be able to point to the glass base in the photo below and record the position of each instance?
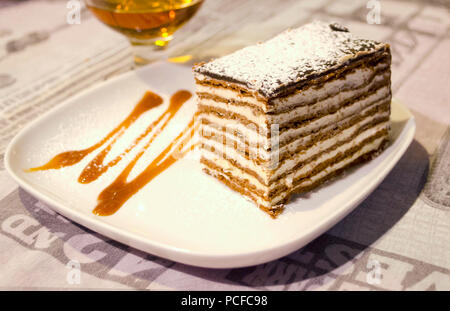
(149, 51)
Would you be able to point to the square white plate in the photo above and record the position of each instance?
(183, 214)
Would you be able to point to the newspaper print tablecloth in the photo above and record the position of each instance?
(397, 239)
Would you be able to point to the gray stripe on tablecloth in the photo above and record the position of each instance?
(29, 222)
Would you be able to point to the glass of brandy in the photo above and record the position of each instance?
(148, 24)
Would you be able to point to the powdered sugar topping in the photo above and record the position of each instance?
(289, 58)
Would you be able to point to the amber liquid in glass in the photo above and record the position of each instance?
(145, 22)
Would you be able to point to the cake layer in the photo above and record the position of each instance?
(249, 115)
(353, 80)
(284, 116)
(258, 136)
(268, 176)
(241, 187)
(295, 57)
(238, 181)
(223, 136)
(290, 180)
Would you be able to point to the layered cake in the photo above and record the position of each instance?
(284, 116)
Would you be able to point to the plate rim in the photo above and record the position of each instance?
(196, 258)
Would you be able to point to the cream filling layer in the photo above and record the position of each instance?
(306, 112)
(353, 80)
(330, 169)
(266, 155)
(268, 174)
(251, 135)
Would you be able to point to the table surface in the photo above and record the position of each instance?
(397, 239)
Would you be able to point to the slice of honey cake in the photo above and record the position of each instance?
(282, 117)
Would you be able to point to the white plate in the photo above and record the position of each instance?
(183, 214)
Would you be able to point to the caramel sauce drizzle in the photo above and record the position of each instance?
(120, 190)
(149, 101)
(96, 168)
